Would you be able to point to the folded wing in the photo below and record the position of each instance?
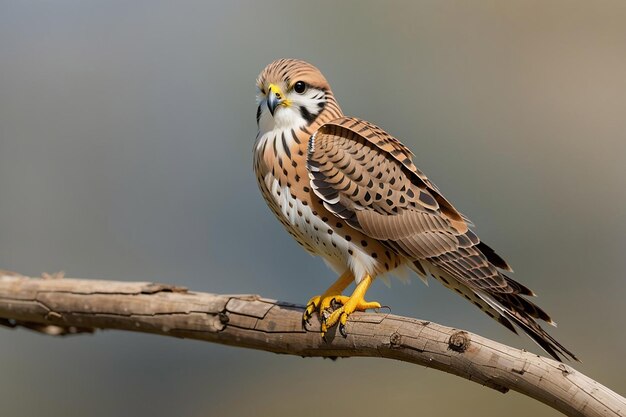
(368, 178)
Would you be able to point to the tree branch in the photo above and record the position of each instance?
(69, 306)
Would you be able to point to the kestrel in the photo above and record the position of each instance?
(349, 192)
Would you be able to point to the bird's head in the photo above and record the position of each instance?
(291, 94)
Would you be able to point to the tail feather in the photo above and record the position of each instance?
(506, 323)
(508, 309)
(525, 321)
(519, 303)
(519, 288)
(493, 257)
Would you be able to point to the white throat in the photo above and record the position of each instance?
(284, 119)
(280, 128)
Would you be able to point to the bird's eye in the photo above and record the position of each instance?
(299, 87)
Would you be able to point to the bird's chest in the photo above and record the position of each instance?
(280, 166)
(295, 212)
(322, 233)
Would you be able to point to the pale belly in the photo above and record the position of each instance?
(318, 235)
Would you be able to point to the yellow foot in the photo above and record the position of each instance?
(322, 302)
(356, 302)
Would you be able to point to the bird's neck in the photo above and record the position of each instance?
(288, 140)
(331, 111)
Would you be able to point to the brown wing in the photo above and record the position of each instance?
(367, 177)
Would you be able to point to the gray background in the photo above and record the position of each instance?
(126, 132)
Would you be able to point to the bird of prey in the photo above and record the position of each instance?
(349, 192)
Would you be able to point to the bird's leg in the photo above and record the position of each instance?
(350, 304)
(321, 302)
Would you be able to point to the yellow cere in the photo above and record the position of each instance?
(273, 88)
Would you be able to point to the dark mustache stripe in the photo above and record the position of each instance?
(307, 115)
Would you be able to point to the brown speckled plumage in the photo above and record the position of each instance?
(350, 193)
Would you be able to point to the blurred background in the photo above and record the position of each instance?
(126, 132)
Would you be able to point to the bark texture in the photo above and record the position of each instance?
(68, 306)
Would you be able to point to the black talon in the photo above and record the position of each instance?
(342, 327)
(342, 330)
(383, 308)
(306, 316)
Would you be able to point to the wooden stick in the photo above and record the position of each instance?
(69, 306)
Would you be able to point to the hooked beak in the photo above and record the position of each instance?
(275, 98)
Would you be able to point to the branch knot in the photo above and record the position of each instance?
(459, 341)
(395, 339)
